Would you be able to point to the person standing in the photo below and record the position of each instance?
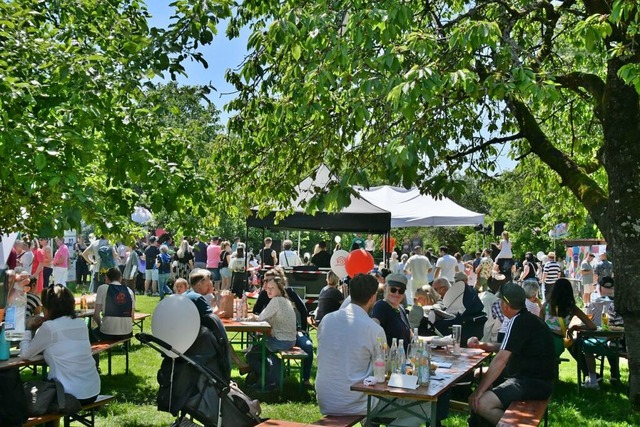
(419, 267)
(151, 253)
(47, 261)
(446, 266)
(550, 274)
(289, 258)
(98, 254)
(586, 270)
(82, 268)
(603, 269)
(60, 263)
(358, 240)
(416, 240)
(214, 261)
(370, 244)
(388, 245)
(322, 259)
(484, 270)
(268, 256)
(199, 254)
(36, 265)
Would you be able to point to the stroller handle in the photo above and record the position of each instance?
(147, 338)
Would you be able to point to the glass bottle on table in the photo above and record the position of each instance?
(401, 358)
(393, 356)
(379, 366)
(16, 316)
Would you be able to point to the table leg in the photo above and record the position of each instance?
(368, 419)
(263, 358)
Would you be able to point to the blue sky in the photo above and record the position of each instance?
(221, 54)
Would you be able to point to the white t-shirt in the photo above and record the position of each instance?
(447, 265)
(505, 250)
(419, 266)
(67, 351)
(369, 245)
(453, 299)
(114, 325)
(347, 341)
(289, 259)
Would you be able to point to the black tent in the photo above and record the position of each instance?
(359, 216)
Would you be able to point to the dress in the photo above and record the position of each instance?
(67, 351)
(329, 301)
(532, 367)
(394, 321)
(82, 268)
(184, 264)
(116, 308)
(347, 342)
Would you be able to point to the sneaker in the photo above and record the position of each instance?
(148, 293)
(156, 294)
(589, 384)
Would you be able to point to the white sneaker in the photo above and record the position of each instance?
(589, 384)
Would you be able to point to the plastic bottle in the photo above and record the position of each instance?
(424, 376)
(245, 306)
(5, 347)
(604, 320)
(393, 356)
(16, 316)
(379, 367)
(401, 357)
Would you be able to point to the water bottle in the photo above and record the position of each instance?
(379, 368)
(5, 347)
(393, 356)
(425, 366)
(16, 316)
(401, 358)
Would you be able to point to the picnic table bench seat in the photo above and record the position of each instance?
(326, 421)
(525, 413)
(86, 415)
(108, 346)
(295, 354)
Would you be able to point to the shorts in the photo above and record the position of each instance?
(587, 289)
(151, 275)
(215, 274)
(225, 272)
(522, 388)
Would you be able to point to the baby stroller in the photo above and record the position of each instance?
(197, 384)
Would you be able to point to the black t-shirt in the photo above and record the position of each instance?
(530, 342)
(150, 255)
(268, 256)
(321, 260)
(200, 252)
(329, 301)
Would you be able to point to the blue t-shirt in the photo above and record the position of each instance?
(394, 322)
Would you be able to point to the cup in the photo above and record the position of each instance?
(457, 335)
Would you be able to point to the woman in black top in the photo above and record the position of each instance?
(330, 297)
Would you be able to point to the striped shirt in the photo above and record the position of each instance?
(552, 270)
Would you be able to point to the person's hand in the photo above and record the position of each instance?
(34, 322)
(473, 342)
(474, 400)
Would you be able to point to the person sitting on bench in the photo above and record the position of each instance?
(114, 309)
(527, 356)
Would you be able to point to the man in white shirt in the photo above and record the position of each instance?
(114, 308)
(446, 266)
(347, 341)
(419, 266)
(289, 258)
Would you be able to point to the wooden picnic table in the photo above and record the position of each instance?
(256, 332)
(443, 380)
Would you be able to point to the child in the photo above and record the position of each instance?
(181, 286)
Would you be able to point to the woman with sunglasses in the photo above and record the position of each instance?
(389, 312)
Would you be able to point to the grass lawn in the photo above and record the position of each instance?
(135, 394)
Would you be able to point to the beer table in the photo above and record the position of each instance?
(410, 401)
(601, 338)
(256, 332)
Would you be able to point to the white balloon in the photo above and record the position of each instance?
(540, 255)
(176, 321)
(337, 239)
(338, 261)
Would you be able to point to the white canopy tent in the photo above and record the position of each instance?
(409, 208)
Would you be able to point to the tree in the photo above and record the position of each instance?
(416, 91)
(76, 138)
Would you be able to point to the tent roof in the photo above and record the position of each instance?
(409, 208)
(360, 215)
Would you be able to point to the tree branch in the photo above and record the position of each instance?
(480, 147)
(591, 83)
(575, 178)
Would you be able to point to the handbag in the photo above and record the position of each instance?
(48, 397)
(567, 341)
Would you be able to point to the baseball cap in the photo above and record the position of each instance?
(512, 294)
(606, 282)
(460, 277)
(397, 280)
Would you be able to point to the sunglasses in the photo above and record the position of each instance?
(398, 290)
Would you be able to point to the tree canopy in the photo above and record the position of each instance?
(78, 138)
(416, 91)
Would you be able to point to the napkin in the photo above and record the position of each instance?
(370, 381)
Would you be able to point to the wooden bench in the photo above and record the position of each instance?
(138, 320)
(326, 421)
(297, 355)
(339, 420)
(525, 413)
(108, 346)
(86, 415)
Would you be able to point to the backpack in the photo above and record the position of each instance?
(105, 252)
(118, 302)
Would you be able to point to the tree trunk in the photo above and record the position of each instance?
(621, 224)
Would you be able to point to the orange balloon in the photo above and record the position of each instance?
(359, 261)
